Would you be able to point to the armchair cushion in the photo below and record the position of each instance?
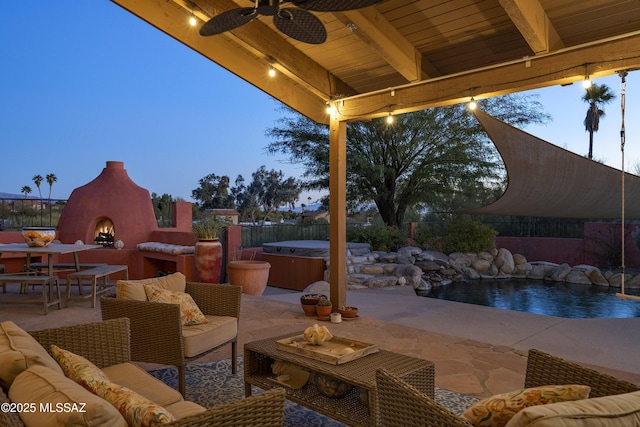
(200, 338)
(190, 314)
(19, 351)
(620, 410)
(137, 379)
(42, 385)
(134, 289)
(497, 411)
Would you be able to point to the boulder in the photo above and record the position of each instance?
(538, 271)
(578, 276)
(381, 281)
(616, 279)
(486, 256)
(371, 269)
(633, 283)
(558, 274)
(470, 273)
(481, 264)
(504, 261)
(596, 278)
(428, 265)
(519, 259)
(410, 272)
(433, 256)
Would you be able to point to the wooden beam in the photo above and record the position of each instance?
(257, 38)
(372, 28)
(534, 25)
(563, 67)
(226, 51)
(338, 212)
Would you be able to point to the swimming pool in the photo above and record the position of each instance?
(540, 297)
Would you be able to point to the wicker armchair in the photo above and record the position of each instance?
(107, 343)
(157, 331)
(401, 405)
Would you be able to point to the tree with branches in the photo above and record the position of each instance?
(438, 158)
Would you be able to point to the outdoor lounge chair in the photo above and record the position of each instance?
(107, 345)
(401, 405)
(157, 333)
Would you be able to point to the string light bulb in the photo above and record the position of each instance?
(192, 20)
(331, 110)
(272, 71)
(389, 119)
(472, 105)
(586, 83)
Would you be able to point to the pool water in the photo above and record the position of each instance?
(540, 297)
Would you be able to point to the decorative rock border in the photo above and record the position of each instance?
(422, 269)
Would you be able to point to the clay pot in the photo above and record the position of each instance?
(323, 310)
(348, 311)
(308, 302)
(208, 258)
(253, 276)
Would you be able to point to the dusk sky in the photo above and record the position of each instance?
(86, 82)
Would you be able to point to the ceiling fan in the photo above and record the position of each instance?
(296, 23)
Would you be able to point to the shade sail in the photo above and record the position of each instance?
(548, 181)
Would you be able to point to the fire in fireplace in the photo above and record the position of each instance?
(104, 234)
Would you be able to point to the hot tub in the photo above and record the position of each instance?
(295, 264)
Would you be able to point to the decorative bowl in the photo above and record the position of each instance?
(38, 237)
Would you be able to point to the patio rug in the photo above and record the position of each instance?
(211, 384)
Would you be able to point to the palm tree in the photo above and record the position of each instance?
(51, 178)
(26, 190)
(596, 96)
(37, 180)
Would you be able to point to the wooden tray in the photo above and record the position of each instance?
(331, 351)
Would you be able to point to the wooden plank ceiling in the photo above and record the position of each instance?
(406, 55)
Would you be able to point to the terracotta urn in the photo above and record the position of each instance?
(253, 276)
(208, 258)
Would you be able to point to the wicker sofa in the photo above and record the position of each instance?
(401, 405)
(29, 375)
(157, 332)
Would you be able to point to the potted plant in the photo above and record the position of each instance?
(309, 301)
(323, 308)
(348, 311)
(252, 275)
(208, 249)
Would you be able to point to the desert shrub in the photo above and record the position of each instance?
(429, 236)
(379, 237)
(468, 236)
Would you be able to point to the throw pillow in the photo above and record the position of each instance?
(78, 368)
(133, 289)
(135, 408)
(497, 411)
(189, 311)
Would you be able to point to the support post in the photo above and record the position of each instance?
(338, 211)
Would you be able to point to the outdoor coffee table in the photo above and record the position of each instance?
(359, 407)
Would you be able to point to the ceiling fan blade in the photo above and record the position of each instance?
(334, 5)
(228, 20)
(300, 25)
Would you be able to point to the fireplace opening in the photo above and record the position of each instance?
(104, 233)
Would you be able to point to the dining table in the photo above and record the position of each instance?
(50, 251)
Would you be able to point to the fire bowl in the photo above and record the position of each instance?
(38, 237)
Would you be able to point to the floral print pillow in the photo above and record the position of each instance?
(189, 311)
(136, 409)
(497, 411)
(78, 368)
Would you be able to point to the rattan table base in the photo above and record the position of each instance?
(359, 407)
